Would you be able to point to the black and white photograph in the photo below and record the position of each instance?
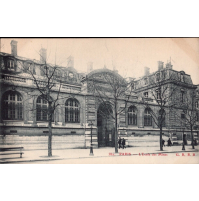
(99, 100)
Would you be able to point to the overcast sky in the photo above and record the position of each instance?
(129, 56)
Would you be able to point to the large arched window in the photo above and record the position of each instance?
(12, 106)
(42, 109)
(132, 115)
(147, 117)
(72, 111)
(161, 117)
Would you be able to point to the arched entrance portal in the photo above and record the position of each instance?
(105, 126)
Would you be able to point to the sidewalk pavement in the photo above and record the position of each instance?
(41, 155)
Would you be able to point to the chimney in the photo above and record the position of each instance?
(43, 55)
(146, 71)
(14, 47)
(89, 67)
(160, 65)
(70, 61)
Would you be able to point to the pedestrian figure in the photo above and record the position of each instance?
(169, 142)
(120, 143)
(123, 143)
(163, 143)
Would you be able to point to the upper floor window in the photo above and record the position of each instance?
(26, 67)
(58, 74)
(146, 94)
(182, 95)
(132, 115)
(42, 109)
(197, 104)
(158, 94)
(71, 76)
(147, 117)
(183, 116)
(72, 112)
(12, 106)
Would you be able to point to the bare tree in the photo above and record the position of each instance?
(111, 90)
(48, 83)
(45, 85)
(185, 111)
(163, 85)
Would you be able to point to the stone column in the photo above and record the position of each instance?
(34, 112)
(140, 116)
(62, 113)
(26, 109)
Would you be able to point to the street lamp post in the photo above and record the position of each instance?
(91, 146)
(183, 142)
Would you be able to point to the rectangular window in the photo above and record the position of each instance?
(182, 96)
(182, 116)
(158, 94)
(197, 104)
(146, 94)
(12, 64)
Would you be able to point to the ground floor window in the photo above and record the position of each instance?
(132, 116)
(12, 106)
(42, 109)
(147, 117)
(72, 113)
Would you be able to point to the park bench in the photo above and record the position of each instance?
(11, 151)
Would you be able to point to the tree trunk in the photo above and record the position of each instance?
(116, 133)
(50, 131)
(192, 140)
(161, 145)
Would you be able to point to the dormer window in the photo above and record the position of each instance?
(145, 81)
(157, 77)
(181, 76)
(10, 64)
(163, 74)
(133, 85)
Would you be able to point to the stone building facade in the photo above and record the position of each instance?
(23, 120)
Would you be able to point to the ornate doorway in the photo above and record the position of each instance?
(105, 126)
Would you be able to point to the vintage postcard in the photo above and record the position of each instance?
(99, 100)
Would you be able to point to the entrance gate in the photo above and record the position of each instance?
(105, 125)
